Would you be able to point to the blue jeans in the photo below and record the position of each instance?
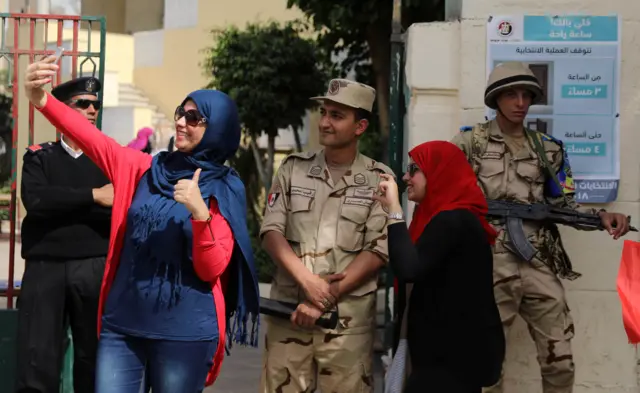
(128, 364)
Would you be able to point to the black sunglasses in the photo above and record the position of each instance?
(412, 169)
(85, 103)
(192, 116)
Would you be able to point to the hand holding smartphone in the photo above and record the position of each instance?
(58, 54)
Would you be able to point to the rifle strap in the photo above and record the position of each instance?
(546, 166)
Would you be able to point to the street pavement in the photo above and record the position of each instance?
(241, 370)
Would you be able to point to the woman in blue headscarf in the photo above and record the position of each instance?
(180, 273)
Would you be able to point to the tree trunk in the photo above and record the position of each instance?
(378, 36)
(271, 152)
(258, 159)
(296, 136)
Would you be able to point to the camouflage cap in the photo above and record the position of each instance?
(350, 93)
(509, 75)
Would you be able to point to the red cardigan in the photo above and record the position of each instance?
(124, 167)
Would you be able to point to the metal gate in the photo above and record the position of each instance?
(394, 299)
(12, 24)
(33, 36)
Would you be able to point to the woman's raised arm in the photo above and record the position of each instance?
(103, 150)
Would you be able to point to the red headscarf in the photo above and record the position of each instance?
(451, 184)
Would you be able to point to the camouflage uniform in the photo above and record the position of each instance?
(327, 225)
(531, 289)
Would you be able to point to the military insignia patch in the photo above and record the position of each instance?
(359, 179)
(90, 85)
(305, 192)
(37, 148)
(273, 197)
(334, 88)
(315, 170)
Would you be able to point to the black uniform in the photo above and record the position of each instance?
(65, 239)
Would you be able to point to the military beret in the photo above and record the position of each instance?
(75, 87)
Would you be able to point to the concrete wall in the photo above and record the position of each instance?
(446, 78)
(123, 122)
(172, 69)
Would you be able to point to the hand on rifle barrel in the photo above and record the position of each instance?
(615, 223)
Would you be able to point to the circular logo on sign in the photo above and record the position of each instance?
(505, 28)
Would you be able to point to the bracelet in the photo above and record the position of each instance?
(394, 216)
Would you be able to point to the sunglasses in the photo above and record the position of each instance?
(412, 169)
(192, 116)
(84, 103)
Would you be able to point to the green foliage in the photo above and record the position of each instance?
(264, 265)
(5, 137)
(244, 164)
(4, 209)
(270, 71)
(369, 143)
(354, 26)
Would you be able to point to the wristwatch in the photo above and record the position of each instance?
(394, 216)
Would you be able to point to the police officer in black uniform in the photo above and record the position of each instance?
(65, 238)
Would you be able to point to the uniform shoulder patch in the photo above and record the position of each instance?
(41, 147)
(303, 155)
(376, 166)
(549, 138)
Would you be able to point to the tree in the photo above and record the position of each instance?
(270, 71)
(361, 30)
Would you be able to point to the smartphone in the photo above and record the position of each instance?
(58, 54)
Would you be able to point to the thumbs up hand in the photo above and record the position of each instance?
(187, 192)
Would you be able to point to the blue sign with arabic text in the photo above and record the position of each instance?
(576, 59)
(570, 28)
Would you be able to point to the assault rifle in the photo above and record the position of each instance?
(279, 309)
(514, 213)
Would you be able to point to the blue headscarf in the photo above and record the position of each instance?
(219, 143)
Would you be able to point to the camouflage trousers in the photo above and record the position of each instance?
(297, 361)
(531, 290)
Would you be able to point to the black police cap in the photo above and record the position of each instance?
(75, 87)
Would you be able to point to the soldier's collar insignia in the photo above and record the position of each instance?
(315, 170)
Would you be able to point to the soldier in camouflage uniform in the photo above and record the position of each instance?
(328, 238)
(510, 162)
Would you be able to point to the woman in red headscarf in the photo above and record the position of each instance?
(455, 337)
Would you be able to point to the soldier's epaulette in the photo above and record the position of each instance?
(303, 155)
(379, 167)
(549, 138)
(33, 149)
